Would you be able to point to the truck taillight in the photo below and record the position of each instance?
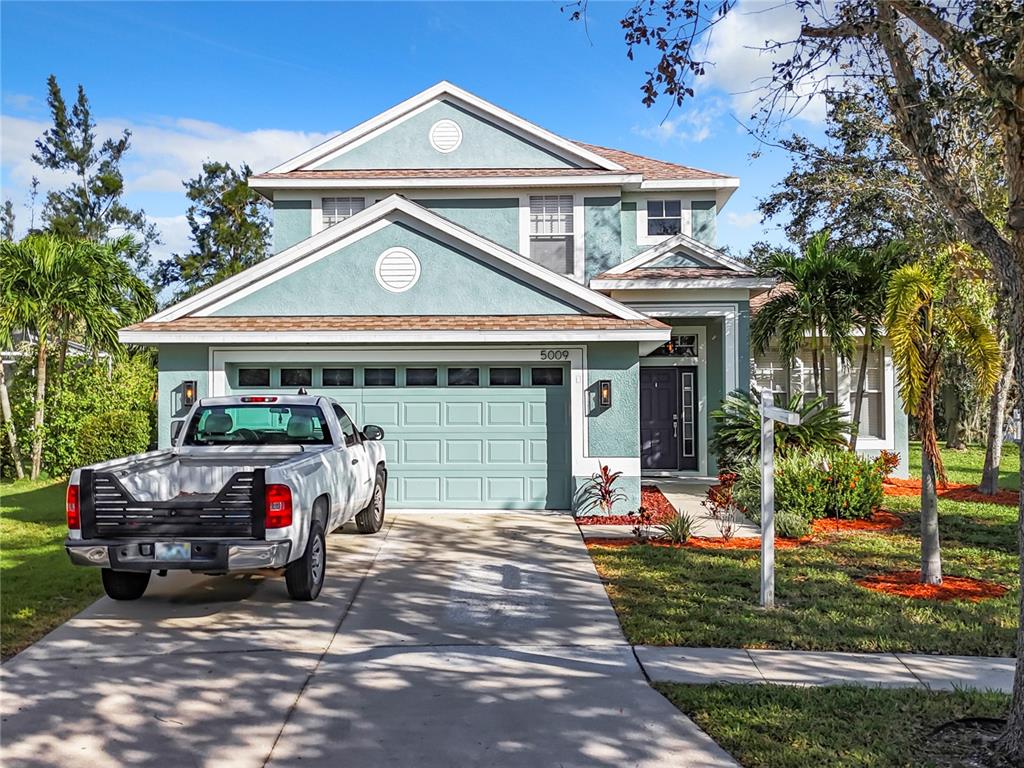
(72, 508)
(279, 506)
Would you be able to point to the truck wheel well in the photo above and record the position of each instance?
(321, 509)
(382, 471)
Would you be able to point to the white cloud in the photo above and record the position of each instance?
(174, 236)
(743, 220)
(740, 65)
(693, 125)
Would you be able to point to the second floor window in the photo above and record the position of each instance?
(551, 232)
(664, 217)
(337, 209)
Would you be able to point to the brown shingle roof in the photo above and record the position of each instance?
(651, 169)
(674, 273)
(399, 323)
(759, 300)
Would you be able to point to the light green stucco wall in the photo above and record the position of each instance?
(450, 283)
(292, 223)
(484, 145)
(602, 234)
(178, 363)
(496, 219)
(703, 222)
(614, 432)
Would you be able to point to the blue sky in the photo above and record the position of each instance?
(260, 82)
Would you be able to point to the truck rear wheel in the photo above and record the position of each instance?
(305, 577)
(371, 519)
(125, 585)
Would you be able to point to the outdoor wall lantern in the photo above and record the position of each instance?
(188, 394)
(604, 393)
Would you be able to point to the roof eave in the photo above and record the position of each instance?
(616, 284)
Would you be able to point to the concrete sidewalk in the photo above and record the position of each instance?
(807, 668)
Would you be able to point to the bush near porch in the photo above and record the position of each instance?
(691, 597)
(811, 486)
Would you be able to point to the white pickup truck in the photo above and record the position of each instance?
(251, 482)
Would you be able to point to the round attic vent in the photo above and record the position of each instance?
(445, 136)
(397, 270)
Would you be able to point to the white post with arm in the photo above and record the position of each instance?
(769, 415)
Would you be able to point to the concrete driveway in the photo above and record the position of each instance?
(445, 640)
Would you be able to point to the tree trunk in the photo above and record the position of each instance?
(931, 557)
(996, 425)
(9, 428)
(858, 396)
(37, 421)
(954, 417)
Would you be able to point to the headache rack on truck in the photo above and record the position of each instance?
(109, 511)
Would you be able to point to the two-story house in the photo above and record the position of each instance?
(514, 308)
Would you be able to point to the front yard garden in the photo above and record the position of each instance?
(698, 597)
(41, 589)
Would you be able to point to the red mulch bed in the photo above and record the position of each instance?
(652, 499)
(952, 491)
(880, 520)
(699, 542)
(907, 584)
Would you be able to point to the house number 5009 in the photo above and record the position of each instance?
(554, 354)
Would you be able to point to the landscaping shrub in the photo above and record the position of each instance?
(87, 388)
(112, 434)
(676, 529)
(736, 438)
(809, 486)
(855, 485)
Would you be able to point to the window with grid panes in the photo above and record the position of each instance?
(552, 232)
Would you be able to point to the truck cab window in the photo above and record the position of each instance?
(348, 429)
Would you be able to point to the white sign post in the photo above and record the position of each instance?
(769, 415)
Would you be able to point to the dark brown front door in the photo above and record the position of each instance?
(668, 418)
(659, 436)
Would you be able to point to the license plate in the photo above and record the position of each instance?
(172, 550)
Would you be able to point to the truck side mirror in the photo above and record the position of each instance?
(373, 432)
(176, 426)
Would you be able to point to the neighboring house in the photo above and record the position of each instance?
(513, 308)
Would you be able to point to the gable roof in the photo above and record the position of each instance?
(392, 210)
(681, 242)
(449, 92)
(656, 170)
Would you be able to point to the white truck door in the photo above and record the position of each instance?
(356, 469)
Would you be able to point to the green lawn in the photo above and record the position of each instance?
(766, 726)
(965, 466)
(40, 588)
(710, 598)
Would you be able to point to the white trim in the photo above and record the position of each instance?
(604, 284)
(730, 331)
(724, 182)
(685, 218)
(684, 242)
(654, 335)
(387, 211)
(419, 182)
(582, 464)
(701, 361)
(436, 93)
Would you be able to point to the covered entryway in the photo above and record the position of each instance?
(467, 436)
(668, 418)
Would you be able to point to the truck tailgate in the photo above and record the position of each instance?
(110, 511)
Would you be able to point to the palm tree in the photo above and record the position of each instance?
(922, 317)
(49, 282)
(871, 271)
(814, 300)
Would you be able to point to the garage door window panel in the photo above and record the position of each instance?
(296, 377)
(379, 377)
(254, 377)
(506, 377)
(546, 377)
(338, 377)
(421, 377)
(463, 377)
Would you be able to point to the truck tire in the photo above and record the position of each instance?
(125, 585)
(305, 577)
(371, 519)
